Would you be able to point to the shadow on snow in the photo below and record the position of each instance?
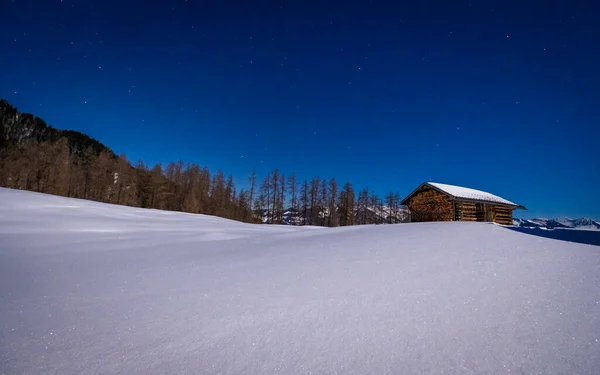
(589, 237)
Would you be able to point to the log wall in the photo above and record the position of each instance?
(431, 205)
(466, 211)
(503, 215)
(469, 211)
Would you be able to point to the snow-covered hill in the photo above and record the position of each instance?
(89, 288)
(564, 222)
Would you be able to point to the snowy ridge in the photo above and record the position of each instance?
(378, 215)
(468, 193)
(90, 288)
(583, 223)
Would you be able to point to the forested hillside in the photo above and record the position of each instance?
(38, 157)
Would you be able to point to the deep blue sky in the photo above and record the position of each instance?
(495, 95)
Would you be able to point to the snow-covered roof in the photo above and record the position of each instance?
(468, 194)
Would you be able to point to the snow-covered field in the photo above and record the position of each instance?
(92, 288)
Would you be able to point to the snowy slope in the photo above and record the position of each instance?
(93, 288)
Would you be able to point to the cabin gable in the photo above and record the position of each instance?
(428, 204)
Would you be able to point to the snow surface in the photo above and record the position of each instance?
(468, 193)
(90, 288)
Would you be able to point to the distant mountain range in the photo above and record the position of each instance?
(583, 223)
(370, 215)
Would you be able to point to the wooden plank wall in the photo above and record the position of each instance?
(469, 211)
(503, 215)
(431, 205)
(466, 211)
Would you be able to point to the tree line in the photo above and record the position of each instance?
(73, 165)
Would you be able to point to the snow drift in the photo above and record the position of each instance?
(87, 287)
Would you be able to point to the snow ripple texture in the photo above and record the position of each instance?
(92, 288)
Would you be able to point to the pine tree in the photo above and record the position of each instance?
(265, 199)
(192, 201)
(158, 187)
(244, 212)
(363, 206)
(314, 200)
(174, 176)
(227, 206)
(324, 203)
(203, 191)
(292, 187)
(217, 193)
(87, 160)
(391, 203)
(125, 186)
(398, 201)
(304, 202)
(102, 177)
(275, 193)
(346, 205)
(143, 183)
(252, 181)
(334, 219)
(373, 204)
(281, 207)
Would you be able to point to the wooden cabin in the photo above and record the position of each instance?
(440, 202)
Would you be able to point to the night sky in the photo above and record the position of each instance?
(494, 95)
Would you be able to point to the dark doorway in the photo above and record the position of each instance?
(489, 212)
(484, 212)
(480, 212)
